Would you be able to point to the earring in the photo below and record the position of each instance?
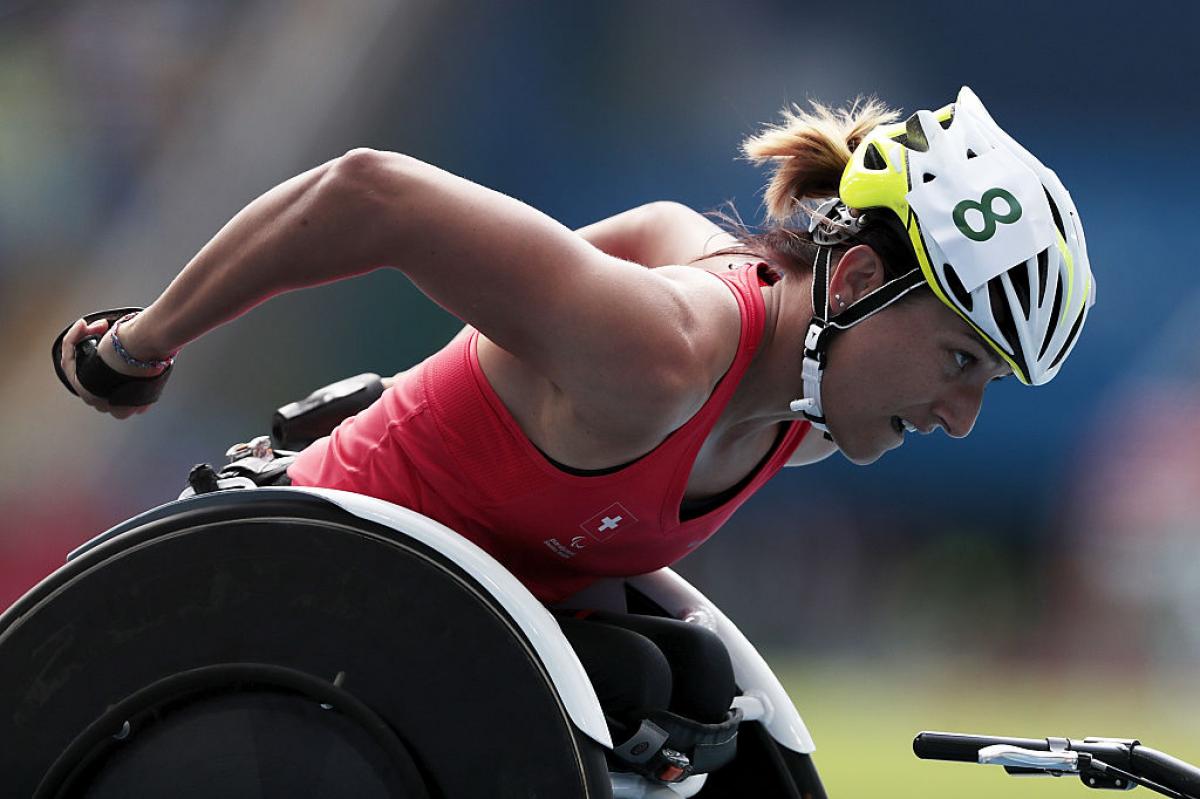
(841, 303)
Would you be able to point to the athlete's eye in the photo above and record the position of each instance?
(963, 359)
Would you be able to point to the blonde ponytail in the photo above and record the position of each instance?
(809, 150)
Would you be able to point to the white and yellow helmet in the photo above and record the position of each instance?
(994, 231)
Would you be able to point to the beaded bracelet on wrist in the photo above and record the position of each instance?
(129, 359)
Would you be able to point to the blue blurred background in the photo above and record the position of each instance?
(1062, 534)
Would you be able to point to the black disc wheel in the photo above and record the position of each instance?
(268, 643)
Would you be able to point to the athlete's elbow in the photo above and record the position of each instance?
(372, 192)
(371, 173)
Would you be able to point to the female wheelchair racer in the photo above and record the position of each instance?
(945, 201)
(287, 641)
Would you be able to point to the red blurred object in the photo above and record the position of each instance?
(38, 534)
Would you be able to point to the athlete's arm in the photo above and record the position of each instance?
(601, 329)
(596, 326)
(285, 239)
(659, 233)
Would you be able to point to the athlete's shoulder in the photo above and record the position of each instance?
(652, 402)
(713, 320)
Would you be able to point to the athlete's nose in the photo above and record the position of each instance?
(958, 411)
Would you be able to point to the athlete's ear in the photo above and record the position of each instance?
(858, 273)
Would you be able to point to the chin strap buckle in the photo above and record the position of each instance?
(816, 342)
(822, 327)
(816, 338)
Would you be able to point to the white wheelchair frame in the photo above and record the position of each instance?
(763, 698)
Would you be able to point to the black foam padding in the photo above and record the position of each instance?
(277, 577)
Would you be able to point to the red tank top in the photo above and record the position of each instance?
(441, 442)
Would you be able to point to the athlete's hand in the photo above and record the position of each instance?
(78, 332)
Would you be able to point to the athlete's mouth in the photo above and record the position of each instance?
(902, 425)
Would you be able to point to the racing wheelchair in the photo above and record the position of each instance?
(257, 640)
(251, 639)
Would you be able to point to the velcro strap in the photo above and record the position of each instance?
(102, 380)
(708, 746)
(643, 745)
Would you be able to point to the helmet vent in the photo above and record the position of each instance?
(915, 138)
(945, 123)
(1002, 313)
(970, 153)
(927, 177)
(872, 158)
(1043, 259)
(1053, 321)
(955, 284)
(1070, 340)
(1019, 275)
(1058, 223)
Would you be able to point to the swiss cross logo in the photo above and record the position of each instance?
(605, 524)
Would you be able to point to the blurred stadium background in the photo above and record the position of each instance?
(1041, 577)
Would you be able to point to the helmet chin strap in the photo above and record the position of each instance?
(816, 344)
(822, 328)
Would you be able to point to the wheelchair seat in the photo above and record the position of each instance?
(666, 747)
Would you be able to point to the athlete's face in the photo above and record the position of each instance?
(915, 362)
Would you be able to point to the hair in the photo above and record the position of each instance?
(808, 151)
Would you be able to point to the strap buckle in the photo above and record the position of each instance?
(645, 751)
(816, 340)
(257, 447)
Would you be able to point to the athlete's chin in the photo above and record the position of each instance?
(862, 450)
(860, 453)
(865, 452)
(863, 459)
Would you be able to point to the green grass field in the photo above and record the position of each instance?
(863, 720)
